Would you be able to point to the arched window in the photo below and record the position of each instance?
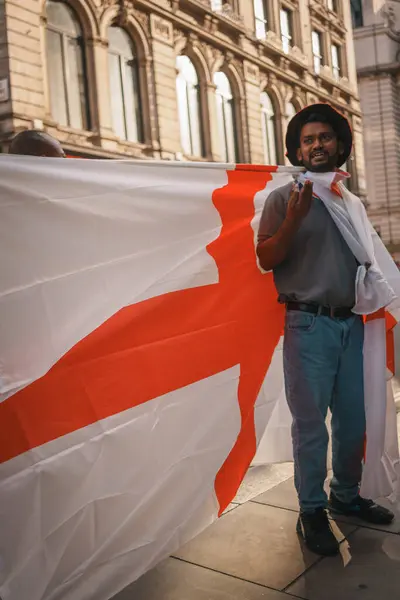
(188, 93)
(124, 86)
(226, 118)
(66, 66)
(268, 125)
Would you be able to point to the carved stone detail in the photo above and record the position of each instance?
(264, 81)
(143, 19)
(251, 72)
(105, 5)
(284, 63)
(180, 41)
(272, 79)
(296, 53)
(213, 56)
(98, 41)
(161, 29)
(390, 13)
(238, 66)
(123, 12)
(228, 12)
(273, 39)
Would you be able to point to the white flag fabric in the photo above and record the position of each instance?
(140, 365)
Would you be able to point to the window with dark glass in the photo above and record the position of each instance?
(65, 58)
(124, 86)
(357, 13)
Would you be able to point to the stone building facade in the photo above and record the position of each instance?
(175, 79)
(377, 48)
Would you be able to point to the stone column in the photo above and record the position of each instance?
(274, 15)
(246, 10)
(150, 117)
(100, 95)
(252, 90)
(24, 53)
(213, 129)
(165, 87)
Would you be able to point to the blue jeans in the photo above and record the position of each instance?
(323, 365)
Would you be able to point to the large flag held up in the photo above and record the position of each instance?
(140, 366)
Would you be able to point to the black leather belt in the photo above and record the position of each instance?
(325, 311)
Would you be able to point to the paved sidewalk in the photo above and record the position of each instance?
(254, 553)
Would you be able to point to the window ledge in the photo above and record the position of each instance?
(327, 75)
(70, 131)
(126, 146)
(296, 54)
(84, 140)
(273, 42)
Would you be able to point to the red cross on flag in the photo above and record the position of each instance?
(140, 364)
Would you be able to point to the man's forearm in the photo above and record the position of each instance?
(273, 251)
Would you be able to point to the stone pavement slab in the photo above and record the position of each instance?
(253, 552)
(254, 542)
(284, 496)
(372, 573)
(259, 479)
(281, 496)
(178, 580)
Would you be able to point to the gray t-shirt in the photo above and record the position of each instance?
(319, 268)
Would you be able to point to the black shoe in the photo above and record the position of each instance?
(363, 509)
(317, 533)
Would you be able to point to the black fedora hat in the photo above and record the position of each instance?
(338, 122)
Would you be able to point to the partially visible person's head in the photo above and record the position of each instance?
(318, 144)
(36, 143)
(319, 138)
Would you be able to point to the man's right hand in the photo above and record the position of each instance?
(274, 250)
(299, 203)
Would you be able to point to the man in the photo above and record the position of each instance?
(36, 143)
(315, 274)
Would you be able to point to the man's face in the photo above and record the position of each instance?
(319, 148)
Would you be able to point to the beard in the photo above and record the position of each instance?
(325, 166)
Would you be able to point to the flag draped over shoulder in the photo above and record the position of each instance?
(140, 365)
